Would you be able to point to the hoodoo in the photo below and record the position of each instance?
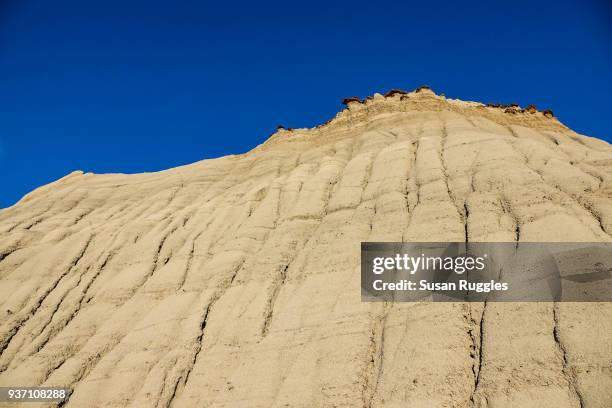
(235, 281)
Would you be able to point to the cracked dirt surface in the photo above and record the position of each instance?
(235, 282)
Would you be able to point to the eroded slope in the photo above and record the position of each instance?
(235, 281)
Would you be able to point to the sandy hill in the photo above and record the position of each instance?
(234, 282)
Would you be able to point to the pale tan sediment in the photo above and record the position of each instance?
(235, 281)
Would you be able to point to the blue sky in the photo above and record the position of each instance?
(132, 86)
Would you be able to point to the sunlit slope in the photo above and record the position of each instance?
(235, 282)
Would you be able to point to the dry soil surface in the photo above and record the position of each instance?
(235, 282)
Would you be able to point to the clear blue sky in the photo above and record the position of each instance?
(132, 86)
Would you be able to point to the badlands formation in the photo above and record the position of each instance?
(235, 282)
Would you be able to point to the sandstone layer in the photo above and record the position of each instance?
(234, 282)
